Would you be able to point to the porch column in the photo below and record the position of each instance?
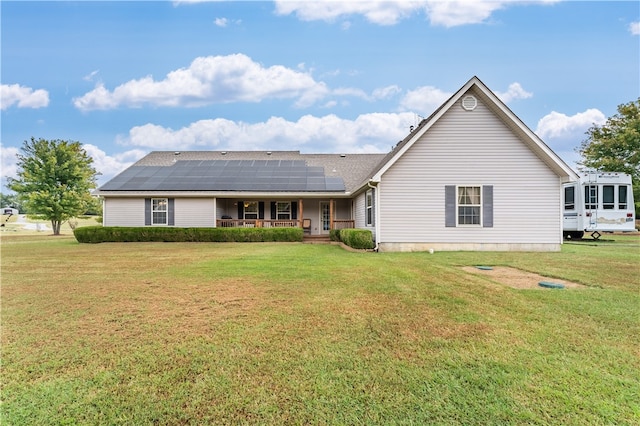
(215, 212)
(300, 212)
(331, 213)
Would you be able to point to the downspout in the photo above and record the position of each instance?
(376, 215)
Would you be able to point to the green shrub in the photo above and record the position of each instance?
(334, 235)
(104, 234)
(357, 238)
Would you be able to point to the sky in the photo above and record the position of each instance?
(125, 78)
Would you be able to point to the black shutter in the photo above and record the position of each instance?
(487, 206)
(172, 212)
(273, 210)
(240, 209)
(261, 210)
(147, 211)
(294, 210)
(450, 206)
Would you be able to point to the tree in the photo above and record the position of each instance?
(54, 179)
(11, 200)
(615, 146)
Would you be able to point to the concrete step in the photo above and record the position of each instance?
(319, 239)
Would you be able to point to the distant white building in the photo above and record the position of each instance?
(9, 211)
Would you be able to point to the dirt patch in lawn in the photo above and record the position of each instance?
(517, 278)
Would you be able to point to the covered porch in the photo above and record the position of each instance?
(315, 216)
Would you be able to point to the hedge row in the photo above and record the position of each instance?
(113, 234)
(356, 238)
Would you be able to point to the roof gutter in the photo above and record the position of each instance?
(376, 207)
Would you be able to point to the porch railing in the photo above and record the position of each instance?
(257, 223)
(263, 223)
(343, 223)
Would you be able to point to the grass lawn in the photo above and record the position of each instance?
(290, 333)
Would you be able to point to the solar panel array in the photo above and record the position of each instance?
(227, 175)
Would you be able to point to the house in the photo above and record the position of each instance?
(472, 176)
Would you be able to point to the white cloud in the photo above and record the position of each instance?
(90, 76)
(440, 12)
(24, 97)
(515, 91)
(634, 28)
(571, 129)
(221, 22)
(424, 100)
(310, 134)
(386, 92)
(378, 12)
(461, 12)
(110, 165)
(207, 80)
(9, 161)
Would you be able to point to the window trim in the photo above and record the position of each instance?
(281, 212)
(570, 205)
(623, 199)
(155, 203)
(591, 200)
(479, 206)
(368, 208)
(246, 212)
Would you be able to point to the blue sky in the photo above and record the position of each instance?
(126, 78)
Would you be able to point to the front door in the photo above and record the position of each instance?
(325, 217)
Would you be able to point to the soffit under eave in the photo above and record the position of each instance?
(256, 195)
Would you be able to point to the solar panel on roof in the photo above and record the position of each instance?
(226, 175)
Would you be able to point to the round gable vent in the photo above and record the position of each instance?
(469, 103)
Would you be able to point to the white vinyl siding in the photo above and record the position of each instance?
(467, 148)
(195, 212)
(123, 212)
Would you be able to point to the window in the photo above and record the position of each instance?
(469, 205)
(283, 210)
(622, 197)
(608, 203)
(250, 210)
(369, 207)
(570, 198)
(159, 210)
(590, 197)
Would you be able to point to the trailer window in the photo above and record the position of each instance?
(591, 197)
(569, 198)
(608, 203)
(622, 197)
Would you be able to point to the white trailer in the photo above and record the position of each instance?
(599, 202)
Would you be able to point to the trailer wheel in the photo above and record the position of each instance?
(573, 235)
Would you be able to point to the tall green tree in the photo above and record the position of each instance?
(615, 146)
(54, 179)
